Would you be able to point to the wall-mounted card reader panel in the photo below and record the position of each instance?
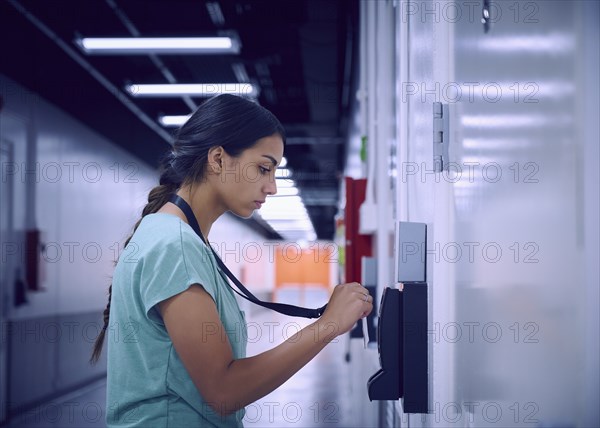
(386, 384)
(402, 327)
(411, 252)
(402, 346)
(415, 360)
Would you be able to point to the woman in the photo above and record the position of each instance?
(175, 357)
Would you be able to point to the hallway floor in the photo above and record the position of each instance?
(317, 396)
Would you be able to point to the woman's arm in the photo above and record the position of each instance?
(227, 384)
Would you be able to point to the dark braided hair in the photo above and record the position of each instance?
(232, 122)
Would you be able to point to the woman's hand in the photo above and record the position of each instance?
(348, 304)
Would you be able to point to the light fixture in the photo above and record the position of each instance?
(288, 216)
(192, 89)
(286, 191)
(173, 121)
(158, 45)
(284, 182)
(283, 173)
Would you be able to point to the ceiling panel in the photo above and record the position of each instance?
(296, 51)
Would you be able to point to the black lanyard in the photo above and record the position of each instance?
(282, 308)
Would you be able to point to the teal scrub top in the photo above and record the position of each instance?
(147, 384)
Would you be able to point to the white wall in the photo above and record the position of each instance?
(513, 335)
(88, 193)
(65, 184)
(511, 339)
(86, 196)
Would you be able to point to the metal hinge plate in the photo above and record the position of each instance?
(441, 136)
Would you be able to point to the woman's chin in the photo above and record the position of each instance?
(246, 214)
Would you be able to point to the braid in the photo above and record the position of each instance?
(157, 197)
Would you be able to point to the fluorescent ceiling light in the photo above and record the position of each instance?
(292, 225)
(283, 173)
(288, 216)
(288, 201)
(285, 191)
(171, 121)
(279, 214)
(283, 183)
(274, 216)
(193, 89)
(158, 45)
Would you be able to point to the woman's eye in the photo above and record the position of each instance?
(264, 170)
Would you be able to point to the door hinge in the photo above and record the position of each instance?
(441, 136)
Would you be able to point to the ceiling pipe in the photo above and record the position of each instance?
(72, 53)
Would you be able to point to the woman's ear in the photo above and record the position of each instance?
(215, 158)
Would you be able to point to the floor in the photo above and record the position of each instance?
(315, 397)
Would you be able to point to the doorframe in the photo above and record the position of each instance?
(6, 278)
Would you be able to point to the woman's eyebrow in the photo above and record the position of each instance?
(272, 159)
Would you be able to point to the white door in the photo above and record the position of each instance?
(507, 237)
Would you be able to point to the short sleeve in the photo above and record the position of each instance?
(171, 268)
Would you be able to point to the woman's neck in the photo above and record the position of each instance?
(204, 204)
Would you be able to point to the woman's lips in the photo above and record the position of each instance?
(258, 204)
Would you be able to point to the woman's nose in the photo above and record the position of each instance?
(271, 187)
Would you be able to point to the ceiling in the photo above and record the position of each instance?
(301, 54)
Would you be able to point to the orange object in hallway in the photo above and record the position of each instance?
(304, 267)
